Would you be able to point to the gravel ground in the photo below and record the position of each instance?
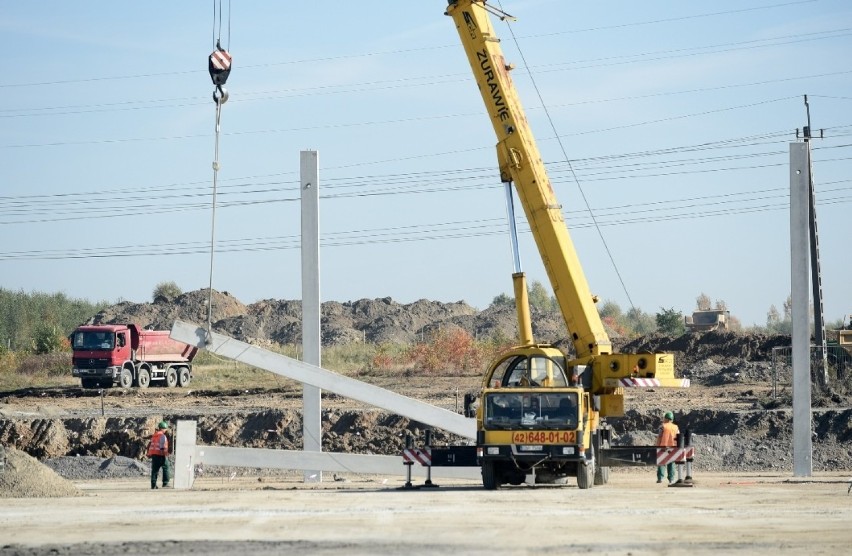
(92, 467)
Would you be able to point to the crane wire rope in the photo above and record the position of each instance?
(219, 67)
(506, 18)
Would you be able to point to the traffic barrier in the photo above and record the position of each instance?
(423, 456)
(682, 456)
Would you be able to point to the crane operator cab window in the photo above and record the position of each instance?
(524, 371)
(508, 409)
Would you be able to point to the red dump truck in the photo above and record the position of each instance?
(127, 355)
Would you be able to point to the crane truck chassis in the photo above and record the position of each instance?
(127, 355)
(540, 413)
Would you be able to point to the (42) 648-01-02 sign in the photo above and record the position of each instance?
(544, 437)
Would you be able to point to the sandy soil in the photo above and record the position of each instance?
(752, 514)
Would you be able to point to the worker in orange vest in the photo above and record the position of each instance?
(668, 438)
(158, 451)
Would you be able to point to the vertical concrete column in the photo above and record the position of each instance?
(311, 339)
(185, 454)
(801, 334)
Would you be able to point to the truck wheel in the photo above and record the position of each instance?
(171, 377)
(184, 377)
(125, 379)
(585, 474)
(489, 476)
(144, 378)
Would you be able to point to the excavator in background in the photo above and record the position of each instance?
(707, 320)
(540, 416)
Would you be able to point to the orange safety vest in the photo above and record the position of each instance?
(159, 445)
(667, 435)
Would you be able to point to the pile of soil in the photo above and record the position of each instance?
(23, 476)
(374, 321)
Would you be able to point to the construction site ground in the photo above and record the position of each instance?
(745, 499)
(76, 475)
(724, 513)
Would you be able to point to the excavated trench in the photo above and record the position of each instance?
(725, 441)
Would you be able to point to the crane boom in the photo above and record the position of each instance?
(520, 163)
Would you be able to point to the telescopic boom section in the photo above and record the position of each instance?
(520, 162)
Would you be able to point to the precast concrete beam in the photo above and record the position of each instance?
(322, 461)
(326, 380)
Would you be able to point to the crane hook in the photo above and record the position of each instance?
(219, 66)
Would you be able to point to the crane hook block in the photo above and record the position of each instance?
(219, 66)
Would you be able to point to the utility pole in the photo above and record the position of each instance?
(816, 273)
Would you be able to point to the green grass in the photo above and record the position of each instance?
(210, 372)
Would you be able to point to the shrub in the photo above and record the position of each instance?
(49, 364)
(454, 351)
(166, 290)
(48, 340)
(670, 322)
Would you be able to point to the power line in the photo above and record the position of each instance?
(599, 168)
(397, 51)
(728, 204)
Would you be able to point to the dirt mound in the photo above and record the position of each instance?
(161, 314)
(22, 476)
(724, 348)
(366, 320)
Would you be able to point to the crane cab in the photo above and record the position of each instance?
(528, 366)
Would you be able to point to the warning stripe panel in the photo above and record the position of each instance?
(639, 382)
(220, 59)
(423, 457)
(635, 382)
(674, 455)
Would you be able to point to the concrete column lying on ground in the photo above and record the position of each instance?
(188, 455)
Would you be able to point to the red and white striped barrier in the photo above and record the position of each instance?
(675, 455)
(635, 382)
(421, 456)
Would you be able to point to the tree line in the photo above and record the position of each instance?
(41, 322)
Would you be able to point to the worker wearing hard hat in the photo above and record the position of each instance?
(667, 438)
(158, 451)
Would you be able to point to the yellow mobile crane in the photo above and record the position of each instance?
(540, 413)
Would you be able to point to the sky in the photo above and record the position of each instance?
(664, 126)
